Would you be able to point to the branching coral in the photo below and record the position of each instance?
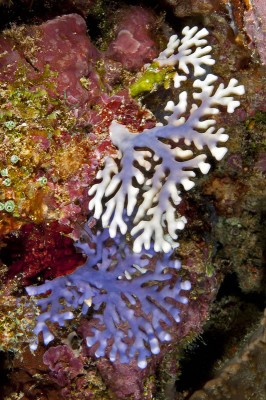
(135, 296)
(162, 69)
(151, 166)
(139, 295)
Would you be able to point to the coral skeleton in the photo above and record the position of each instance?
(135, 298)
(152, 167)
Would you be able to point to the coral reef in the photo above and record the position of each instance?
(15, 322)
(36, 127)
(224, 233)
(50, 100)
(83, 287)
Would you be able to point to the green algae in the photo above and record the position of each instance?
(32, 118)
(151, 78)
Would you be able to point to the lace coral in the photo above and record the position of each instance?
(152, 166)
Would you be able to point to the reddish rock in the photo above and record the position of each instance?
(65, 46)
(260, 164)
(187, 8)
(10, 59)
(134, 44)
(40, 250)
(63, 364)
(255, 26)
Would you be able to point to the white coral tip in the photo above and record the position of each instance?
(223, 138)
(34, 346)
(154, 345)
(186, 285)
(169, 106)
(241, 90)
(142, 363)
(219, 152)
(203, 32)
(178, 79)
(92, 190)
(204, 167)
(180, 225)
(165, 337)
(166, 247)
(90, 341)
(137, 246)
(183, 300)
(187, 184)
(232, 105)
(47, 337)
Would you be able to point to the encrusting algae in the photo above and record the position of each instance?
(38, 151)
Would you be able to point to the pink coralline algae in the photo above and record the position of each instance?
(63, 364)
(59, 105)
(70, 52)
(69, 371)
(70, 55)
(133, 45)
(254, 21)
(40, 251)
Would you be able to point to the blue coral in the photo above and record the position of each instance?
(134, 297)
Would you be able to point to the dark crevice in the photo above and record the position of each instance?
(232, 317)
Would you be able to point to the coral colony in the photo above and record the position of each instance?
(127, 283)
(134, 292)
(157, 193)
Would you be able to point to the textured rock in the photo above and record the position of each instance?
(244, 376)
(254, 20)
(70, 52)
(134, 44)
(193, 7)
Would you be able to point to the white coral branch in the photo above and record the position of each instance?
(152, 168)
(99, 191)
(188, 52)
